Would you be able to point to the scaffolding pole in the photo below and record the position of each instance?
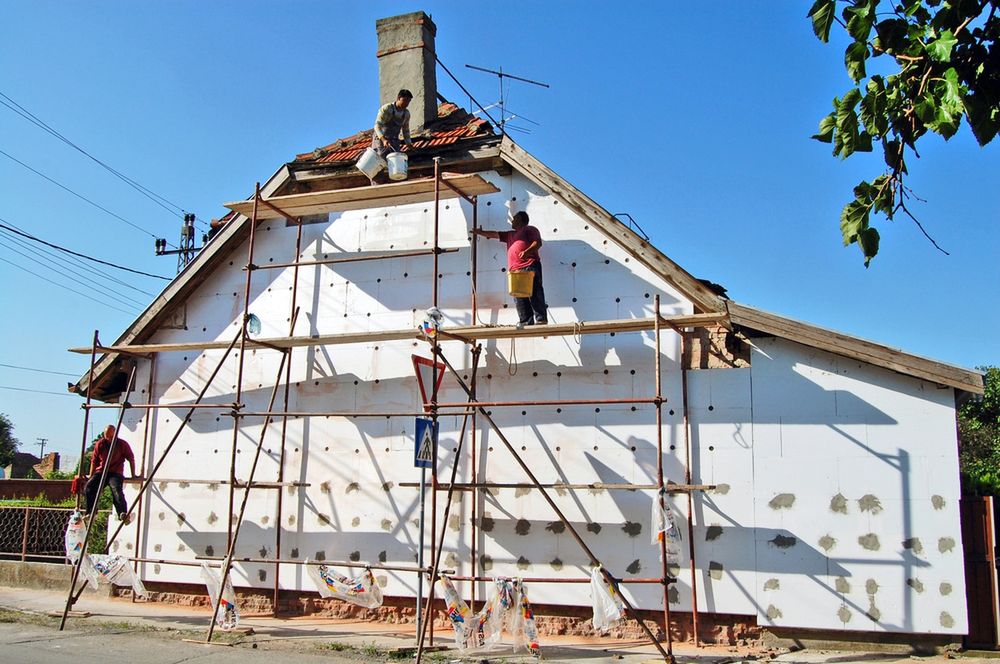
(92, 511)
(562, 517)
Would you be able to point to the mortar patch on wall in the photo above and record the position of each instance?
(632, 529)
(839, 504)
(870, 503)
(870, 542)
(946, 545)
(782, 501)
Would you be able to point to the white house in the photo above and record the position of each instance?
(828, 465)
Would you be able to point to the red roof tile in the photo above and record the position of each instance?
(452, 125)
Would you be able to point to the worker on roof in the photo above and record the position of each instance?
(392, 119)
(523, 242)
(111, 452)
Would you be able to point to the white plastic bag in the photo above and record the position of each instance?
(362, 590)
(664, 528)
(117, 571)
(228, 616)
(458, 611)
(76, 532)
(521, 624)
(507, 607)
(608, 605)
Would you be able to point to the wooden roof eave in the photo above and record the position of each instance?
(855, 348)
(186, 281)
(703, 298)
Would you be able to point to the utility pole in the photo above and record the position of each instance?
(41, 443)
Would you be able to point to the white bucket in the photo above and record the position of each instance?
(370, 163)
(398, 165)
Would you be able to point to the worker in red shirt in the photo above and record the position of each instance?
(523, 243)
(103, 456)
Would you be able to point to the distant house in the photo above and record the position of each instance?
(827, 465)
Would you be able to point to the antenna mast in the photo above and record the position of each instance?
(501, 75)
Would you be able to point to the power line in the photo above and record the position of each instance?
(70, 251)
(80, 196)
(129, 313)
(86, 280)
(41, 124)
(79, 265)
(58, 373)
(24, 389)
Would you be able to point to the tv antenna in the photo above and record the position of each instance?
(501, 75)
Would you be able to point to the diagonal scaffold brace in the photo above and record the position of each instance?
(436, 566)
(227, 564)
(667, 655)
(92, 512)
(148, 481)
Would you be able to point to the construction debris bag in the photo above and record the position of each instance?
(664, 528)
(507, 607)
(608, 605)
(362, 590)
(96, 567)
(117, 571)
(227, 616)
(458, 611)
(521, 624)
(76, 532)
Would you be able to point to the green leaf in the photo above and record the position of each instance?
(822, 13)
(860, 18)
(939, 50)
(891, 35)
(984, 119)
(847, 131)
(874, 114)
(893, 157)
(882, 196)
(868, 242)
(826, 126)
(853, 220)
(854, 60)
(864, 143)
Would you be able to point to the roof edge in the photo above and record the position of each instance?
(856, 348)
(701, 296)
(187, 279)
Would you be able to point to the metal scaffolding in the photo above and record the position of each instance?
(472, 411)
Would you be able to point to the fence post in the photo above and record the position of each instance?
(24, 537)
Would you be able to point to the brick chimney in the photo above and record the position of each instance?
(406, 60)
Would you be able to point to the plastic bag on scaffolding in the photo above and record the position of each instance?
(362, 590)
(664, 528)
(228, 616)
(459, 612)
(522, 621)
(76, 532)
(608, 605)
(117, 571)
(487, 625)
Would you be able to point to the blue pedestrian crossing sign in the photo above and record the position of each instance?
(425, 447)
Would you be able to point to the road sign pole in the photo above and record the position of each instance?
(420, 548)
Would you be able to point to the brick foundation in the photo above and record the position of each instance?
(721, 629)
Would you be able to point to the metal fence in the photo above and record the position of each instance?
(38, 533)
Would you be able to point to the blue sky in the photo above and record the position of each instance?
(693, 118)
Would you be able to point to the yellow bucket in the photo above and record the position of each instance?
(521, 284)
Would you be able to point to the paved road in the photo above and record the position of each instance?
(40, 644)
